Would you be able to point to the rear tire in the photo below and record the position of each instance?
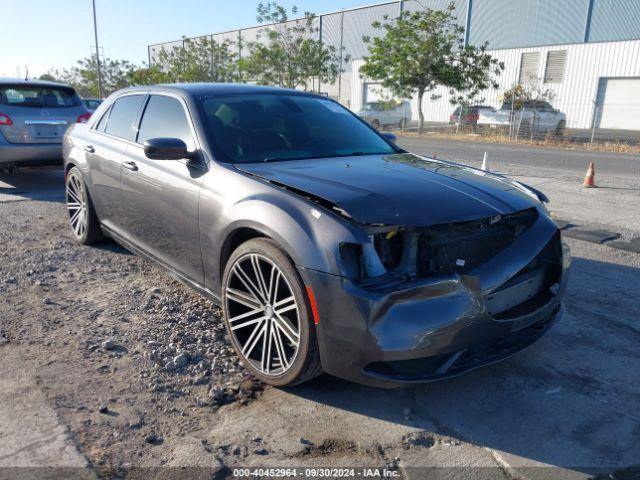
(268, 315)
(85, 226)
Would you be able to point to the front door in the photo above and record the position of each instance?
(160, 197)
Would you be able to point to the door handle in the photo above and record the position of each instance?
(89, 148)
(129, 165)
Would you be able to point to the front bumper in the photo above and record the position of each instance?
(30, 154)
(435, 328)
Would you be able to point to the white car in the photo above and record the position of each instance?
(530, 116)
(386, 114)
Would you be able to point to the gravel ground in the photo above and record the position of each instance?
(128, 355)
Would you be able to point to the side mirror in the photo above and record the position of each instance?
(389, 136)
(166, 149)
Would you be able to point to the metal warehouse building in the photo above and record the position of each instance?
(586, 51)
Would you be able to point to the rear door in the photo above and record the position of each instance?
(105, 145)
(160, 197)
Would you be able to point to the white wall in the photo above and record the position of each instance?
(586, 64)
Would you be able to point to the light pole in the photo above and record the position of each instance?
(95, 33)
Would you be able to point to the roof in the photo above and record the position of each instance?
(217, 89)
(42, 83)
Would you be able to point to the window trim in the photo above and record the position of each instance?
(108, 109)
(185, 109)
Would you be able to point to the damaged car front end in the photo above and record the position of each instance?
(414, 302)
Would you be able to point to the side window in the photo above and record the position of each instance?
(123, 116)
(165, 117)
(101, 125)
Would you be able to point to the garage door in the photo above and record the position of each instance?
(619, 103)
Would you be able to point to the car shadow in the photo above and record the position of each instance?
(569, 401)
(42, 183)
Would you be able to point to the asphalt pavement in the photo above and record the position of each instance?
(564, 159)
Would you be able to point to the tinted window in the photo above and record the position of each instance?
(37, 96)
(267, 127)
(123, 116)
(100, 126)
(165, 117)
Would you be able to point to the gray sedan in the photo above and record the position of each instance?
(328, 247)
(33, 118)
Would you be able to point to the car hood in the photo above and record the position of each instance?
(401, 189)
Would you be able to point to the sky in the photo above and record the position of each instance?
(46, 34)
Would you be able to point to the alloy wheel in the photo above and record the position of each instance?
(263, 314)
(76, 205)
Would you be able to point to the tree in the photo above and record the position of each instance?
(473, 72)
(148, 75)
(84, 78)
(421, 50)
(288, 52)
(198, 60)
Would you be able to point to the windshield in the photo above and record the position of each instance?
(273, 127)
(38, 96)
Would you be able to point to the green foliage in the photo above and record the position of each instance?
(198, 60)
(84, 78)
(421, 50)
(288, 53)
(519, 94)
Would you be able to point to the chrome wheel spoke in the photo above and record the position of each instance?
(257, 271)
(247, 282)
(285, 305)
(286, 328)
(248, 299)
(258, 331)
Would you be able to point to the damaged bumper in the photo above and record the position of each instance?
(435, 328)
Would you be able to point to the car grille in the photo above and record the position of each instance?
(461, 247)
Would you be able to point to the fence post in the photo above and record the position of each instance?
(341, 56)
(593, 126)
(319, 56)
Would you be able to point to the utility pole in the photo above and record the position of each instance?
(95, 33)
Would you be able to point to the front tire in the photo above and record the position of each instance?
(268, 316)
(85, 226)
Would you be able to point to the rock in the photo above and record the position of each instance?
(181, 360)
(47, 301)
(304, 441)
(261, 451)
(136, 423)
(418, 439)
(103, 409)
(10, 280)
(217, 395)
(153, 439)
(108, 344)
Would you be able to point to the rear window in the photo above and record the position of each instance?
(38, 96)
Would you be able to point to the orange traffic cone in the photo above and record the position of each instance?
(590, 178)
